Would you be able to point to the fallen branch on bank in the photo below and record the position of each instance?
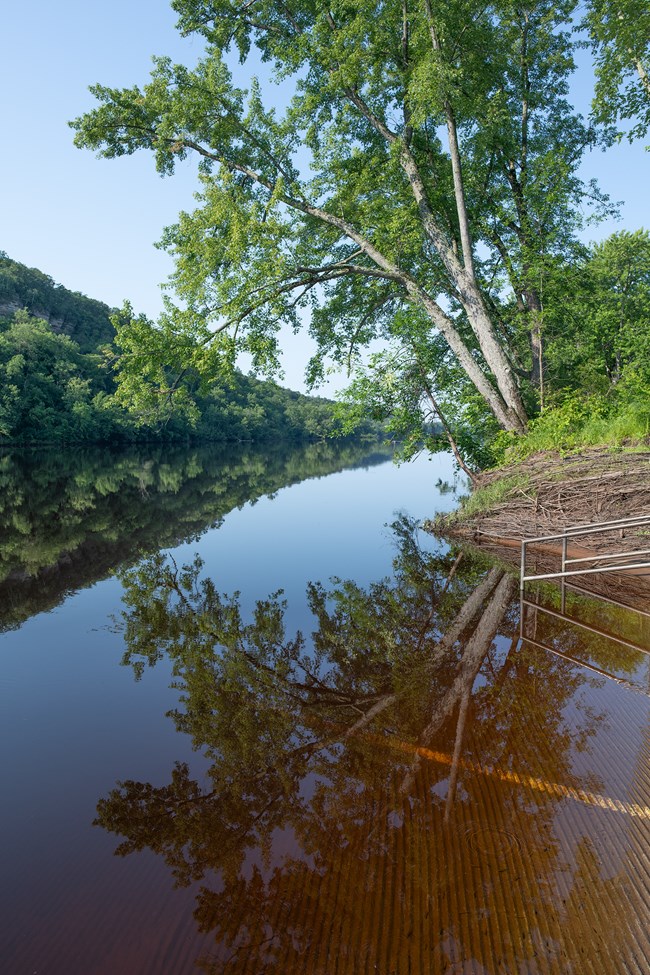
(547, 493)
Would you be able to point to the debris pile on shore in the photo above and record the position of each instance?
(547, 493)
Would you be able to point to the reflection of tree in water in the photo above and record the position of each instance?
(369, 805)
(67, 518)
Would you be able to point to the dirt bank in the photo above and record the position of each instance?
(546, 493)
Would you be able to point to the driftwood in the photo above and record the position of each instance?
(549, 493)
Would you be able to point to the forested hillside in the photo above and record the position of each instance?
(85, 320)
(57, 381)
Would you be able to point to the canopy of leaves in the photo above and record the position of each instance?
(597, 337)
(51, 392)
(345, 207)
(619, 31)
(595, 323)
(62, 387)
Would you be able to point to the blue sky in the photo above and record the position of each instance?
(91, 224)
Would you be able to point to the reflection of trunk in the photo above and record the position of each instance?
(365, 719)
(458, 747)
(474, 654)
(470, 607)
(475, 650)
(468, 611)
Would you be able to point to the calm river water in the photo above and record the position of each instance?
(253, 720)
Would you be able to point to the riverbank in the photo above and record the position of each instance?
(547, 492)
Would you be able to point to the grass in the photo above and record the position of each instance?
(577, 424)
(488, 497)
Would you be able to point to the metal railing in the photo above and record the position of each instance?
(575, 531)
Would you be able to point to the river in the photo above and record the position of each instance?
(253, 720)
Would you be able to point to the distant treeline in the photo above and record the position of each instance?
(57, 385)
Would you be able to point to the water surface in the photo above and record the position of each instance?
(316, 743)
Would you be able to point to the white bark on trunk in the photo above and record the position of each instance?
(643, 75)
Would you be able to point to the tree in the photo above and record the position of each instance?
(619, 32)
(619, 311)
(42, 377)
(598, 318)
(348, 205)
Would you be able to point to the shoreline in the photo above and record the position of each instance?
(547, 493)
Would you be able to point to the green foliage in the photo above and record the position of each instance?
(50, 391)
(377, 237)
(597, 317)
(583, 421)
(157, 386)
(619, 32)
(421, 398)
(389, 391)
(597, 353)
(85, 320)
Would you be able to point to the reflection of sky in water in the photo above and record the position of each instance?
(321, 528)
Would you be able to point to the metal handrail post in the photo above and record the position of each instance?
(564, 554)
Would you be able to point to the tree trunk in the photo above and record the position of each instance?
(465, 278)
(496, 358)
(499, 404)
(534, 312)
(643, 75)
